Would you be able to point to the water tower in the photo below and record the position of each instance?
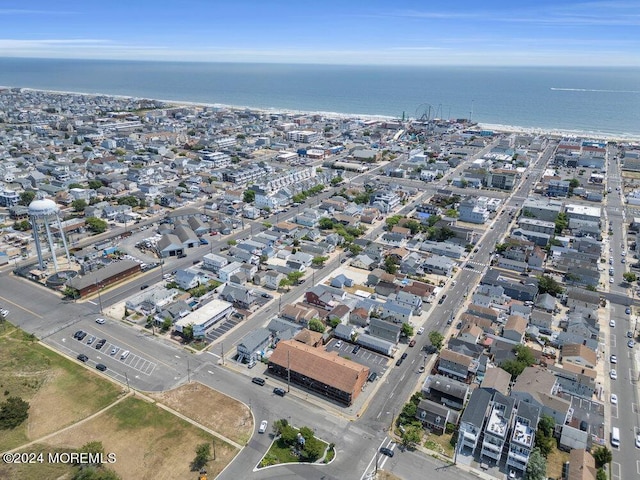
(43, 213)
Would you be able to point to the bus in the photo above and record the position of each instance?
(615, 437)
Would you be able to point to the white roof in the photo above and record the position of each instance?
(204, 313)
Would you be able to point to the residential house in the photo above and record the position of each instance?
(384, 329)
(253, 345)
(273, 278)
(224, 273)
(454, 364)
(579, 354)
(473, 418)
(496, 380)
(538, 386)
(497, 427)
(445, 391)
(359, 316)
(515, 328)
(523, 435)
(396, 312)
(238, 295)
(299, 313)
(434, 416)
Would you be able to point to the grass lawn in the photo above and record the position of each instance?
(555, 460)
(279, 452)
(440, 444)
(49, 382)
(149, 442)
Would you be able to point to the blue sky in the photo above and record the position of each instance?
(489, 32)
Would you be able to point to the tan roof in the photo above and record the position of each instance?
(582, 465)
(579, 369)
(401, 230)
(483, 323)
(498, 379)
(309, 337)
(579, 350)
(455, 357)
(484, 310)
(472, 330)
(516, 323)
(534, 380)
(323, 367)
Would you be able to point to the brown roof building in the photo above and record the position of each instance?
(579, 354)
(322, 372)
(309, 337)
(582, 465)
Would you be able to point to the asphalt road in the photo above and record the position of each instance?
(626, 460)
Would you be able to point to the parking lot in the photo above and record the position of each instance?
(588, 411)
(215, 333)
(87, 346)
(376, 362)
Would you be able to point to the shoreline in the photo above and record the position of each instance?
(500, 128)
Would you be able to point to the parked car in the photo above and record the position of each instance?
(627, 311)
(356, 349)
(124, 354)
(420, 331)
(612, 323)
(91, 340)
(144, 287)
(263, 426)
(82, 335)
(630, 344)
(629, 334)
(613, 374)
(100, 321)
(82, 357)
(114, 350)
(372, 376)
(399, 362)
(404, 355)
(614, 399)
(266, 295)
(101, 367)
(279, 391)
(258, 381)
(613, 359)
(412, 343)
(77, 334)
(637, 440)
(101, 343)
(338, 344)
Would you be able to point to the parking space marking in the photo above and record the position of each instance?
(614, 411)
(615, 470)
(638, 466)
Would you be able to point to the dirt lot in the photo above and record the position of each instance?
(47, 380)
(150, 443)
(230, 418)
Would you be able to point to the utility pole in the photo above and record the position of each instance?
(288, 371)
(188, 372)
(127, 378)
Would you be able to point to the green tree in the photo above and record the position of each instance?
(452, 212)
(629, 277)
(334, 322)
(203, 455)
(22, 225)
(249, 196)
(319, 261)
(336, 181)
(79, 205)
(411, 436)
(187, 332)
(354, 249)
(547, 284)
(96, 225)
(13, 411)
(602, 456)
(95, 184)
(93, 448)
(26, 198)
(325, 224)
(278, 425)
(409, 410)
(391, 264)
(284, 283)
(537, 466)
(74, 185)
(562, 222)
(128, 200)
(95, 473)
(166, 325)
(514, 367)
(436, 339)
(601, 474)
(546, 424)
(295, 277)
(407, 330)
(316, 325)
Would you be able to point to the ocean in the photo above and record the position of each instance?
(592, 101)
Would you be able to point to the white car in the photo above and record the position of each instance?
(263, 426)
(100, 321)
(420, 330)
(611, 280)
(338, 344)
(612, 323)
(613, 374)
(114, 350)
(613, 359)
(638, 440)
(4, 312)
(614, 399)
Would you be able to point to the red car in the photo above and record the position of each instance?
(412, 343)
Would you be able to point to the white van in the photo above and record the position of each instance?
(615, 437)
(124, 354)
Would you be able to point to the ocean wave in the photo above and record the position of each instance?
(560, 89)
